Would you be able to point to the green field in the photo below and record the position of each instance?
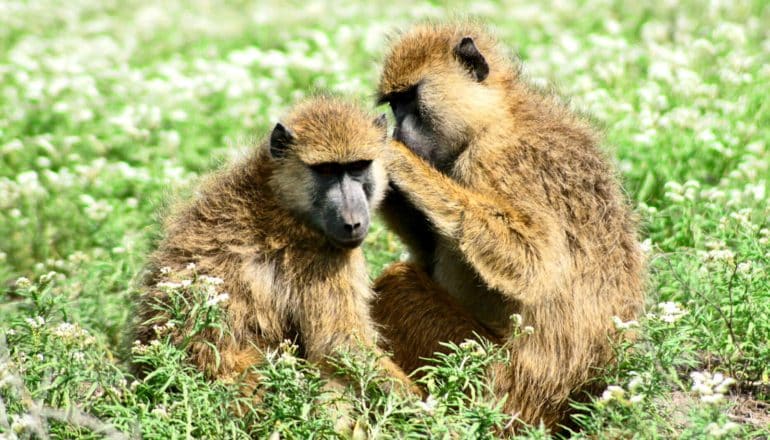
(109, 108)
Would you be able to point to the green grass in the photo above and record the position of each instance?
(107, 108)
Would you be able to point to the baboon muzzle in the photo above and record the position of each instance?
(349, 224)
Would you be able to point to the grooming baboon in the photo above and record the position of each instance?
(507, 206)
(282, 229)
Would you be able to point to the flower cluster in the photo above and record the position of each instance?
(668, 312)
(618, 394)
(73, 333)
(710, 387)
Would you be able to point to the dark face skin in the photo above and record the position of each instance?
(341, 194)
(341, 201)
(413, 127)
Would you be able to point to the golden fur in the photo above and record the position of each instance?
(529, 218)
(285, 280)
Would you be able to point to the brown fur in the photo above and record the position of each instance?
(285, 280)
(528, 218)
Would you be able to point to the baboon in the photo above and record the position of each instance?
(282, 229)
(508, 206)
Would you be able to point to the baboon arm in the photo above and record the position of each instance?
(508, 244)
(342, 323)
(409, 224)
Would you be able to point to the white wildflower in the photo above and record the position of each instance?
(44, 279)
(165, 270)
(712, 398)
(43, 162)
(190, 266)
(160, 411)
(473, 346)
(12, 146)
(763, 239)
(96, 210)
(169, 285)
(715, 244)
(213, 281)
(429, 406)
(35, 322)
(613, 392)
(178, 115)
(516, 319)
(673, 187)
(161, 330)
(636, 383)
(720, 255)
(23, 283)
(73, 332)
(624, 325)
(221, 298)
(670, 311)
(139, 348)
(528, 330)
(170, 138)
(287, 358)
(717, 431)
(29, 184)
(744, 268)
(674, 197)
(710, 388)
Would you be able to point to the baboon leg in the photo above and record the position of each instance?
(236, 365)
(402, 383)
(415, 314)
(556, 364)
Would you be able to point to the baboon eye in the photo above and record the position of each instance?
(397, 99)
(335, 169)
(407, 95)
(326, 168)
(358, 167)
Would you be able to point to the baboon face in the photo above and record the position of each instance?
(341, 207)
(333, 195)
(435, 86)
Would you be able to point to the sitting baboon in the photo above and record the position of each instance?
(282, 229)
(507, 206)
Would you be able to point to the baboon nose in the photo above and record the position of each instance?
(351, 228)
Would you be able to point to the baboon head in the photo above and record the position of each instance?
(327, 171)
(443, 84)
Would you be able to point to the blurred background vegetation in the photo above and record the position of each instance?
(108, 109)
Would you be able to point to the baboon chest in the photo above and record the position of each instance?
(464, 284)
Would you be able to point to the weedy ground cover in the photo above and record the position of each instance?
(108, 108)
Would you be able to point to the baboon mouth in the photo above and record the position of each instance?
(348, 243)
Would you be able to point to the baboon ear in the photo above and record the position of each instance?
(381, 122)
(469, 55)
(280, 140)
